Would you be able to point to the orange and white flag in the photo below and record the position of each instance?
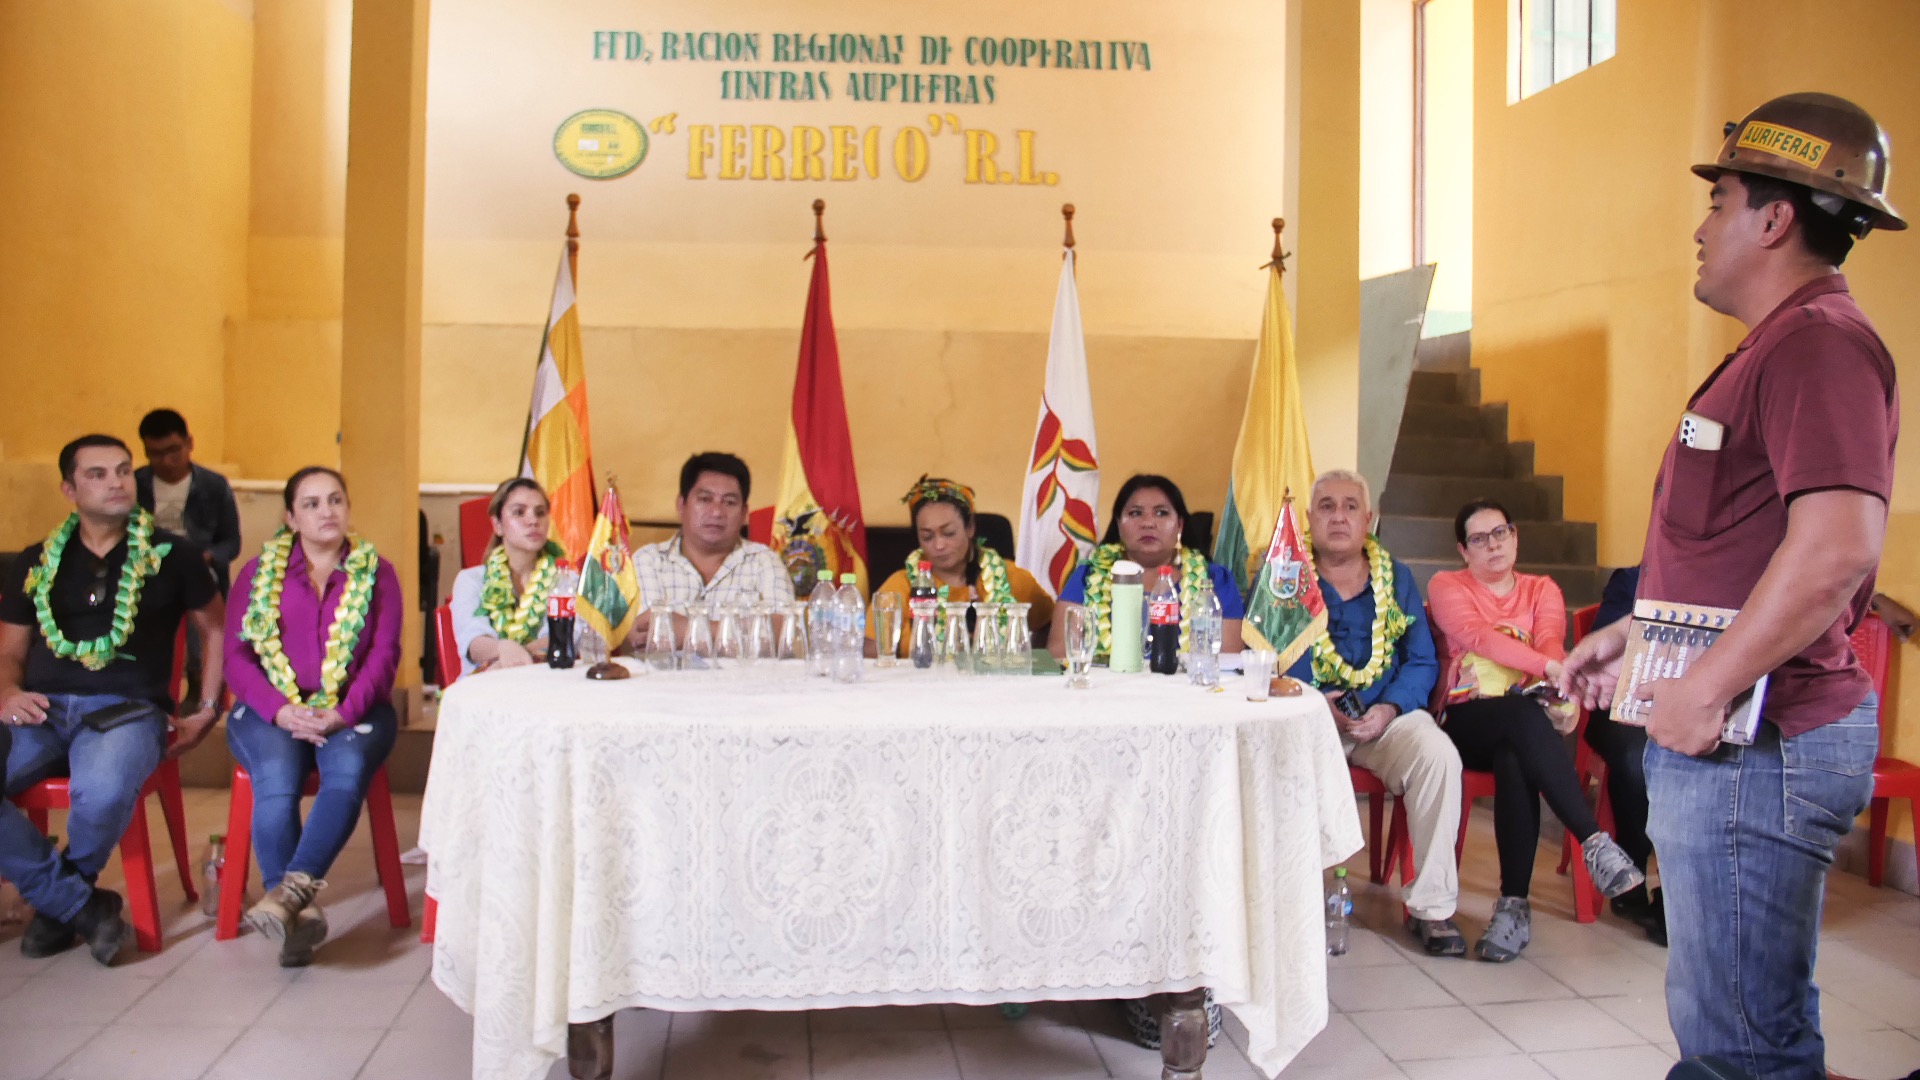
(557, 451)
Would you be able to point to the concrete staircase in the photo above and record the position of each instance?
(1453, 449)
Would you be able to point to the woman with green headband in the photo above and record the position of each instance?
(964, 568)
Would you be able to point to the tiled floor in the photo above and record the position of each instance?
(1585, 1001)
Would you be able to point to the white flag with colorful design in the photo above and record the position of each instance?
(557, 450)
(1063, 471)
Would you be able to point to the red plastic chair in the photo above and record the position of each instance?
(446, 644)
(476, 530)
(136, 845)
(1893, 778)
(386, 850)
(449, 671)
(1397, 852)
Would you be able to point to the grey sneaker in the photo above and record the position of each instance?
(1612, 869)
(1508, 932)
(1440, 937)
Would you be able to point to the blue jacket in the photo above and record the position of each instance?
(212, 516)
(1408, 681)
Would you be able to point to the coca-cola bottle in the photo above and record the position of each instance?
(561, 652)
(922, 599)
(1163, 625)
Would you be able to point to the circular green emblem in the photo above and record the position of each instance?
(600, 144)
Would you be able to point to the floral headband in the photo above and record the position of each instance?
(934, 489)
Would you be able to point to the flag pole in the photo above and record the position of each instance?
(819, 221)
(1279, 259)
(573, 239)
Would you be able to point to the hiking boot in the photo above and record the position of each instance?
(101, 925)
(1611, 868)
(46, 936)
(309, 931)
(1440, 937)
(1508, 932)
(275, 913)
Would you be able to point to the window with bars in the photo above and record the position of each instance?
(1549, 41)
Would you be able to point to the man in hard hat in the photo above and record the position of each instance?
(1772, 499)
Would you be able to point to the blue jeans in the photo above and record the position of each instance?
(107, 770)
(279, 764)
(1745, 836)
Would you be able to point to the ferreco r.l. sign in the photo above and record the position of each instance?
(600, 144)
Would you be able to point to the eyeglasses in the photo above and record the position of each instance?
(1499, 534)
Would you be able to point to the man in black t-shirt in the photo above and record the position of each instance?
(87, 626)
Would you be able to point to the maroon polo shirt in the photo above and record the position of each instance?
(1809, 403)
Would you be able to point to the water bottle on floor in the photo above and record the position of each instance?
(1339, 913)
(210, 874)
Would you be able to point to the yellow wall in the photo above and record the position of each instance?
(1449, 162)
(691, 291)
(1584, 210)
(123, 246)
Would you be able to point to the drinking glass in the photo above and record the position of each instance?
(988, 641)
(1082, 639)
(697, 650)
(593, 650)
(661, 643)
(726, 632)
(886, 628)
(793, 630)
(756, 634)
(1019, 640)
(958, 650)
(1259, 664)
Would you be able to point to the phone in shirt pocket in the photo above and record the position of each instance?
(1693, 502)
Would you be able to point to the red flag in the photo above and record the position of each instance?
(817, 520)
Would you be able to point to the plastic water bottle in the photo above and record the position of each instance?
(1203, 646)
(820, 638)
(850, 624)
(1339, 912)
(210, 874)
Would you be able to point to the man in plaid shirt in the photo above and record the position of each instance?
(708, 561)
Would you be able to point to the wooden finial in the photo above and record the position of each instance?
(1066, 211)
(1279, 258)
(573, 224)
(819, 221)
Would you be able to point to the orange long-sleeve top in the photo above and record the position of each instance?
(1469, 618)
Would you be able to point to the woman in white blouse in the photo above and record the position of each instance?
(500, 607)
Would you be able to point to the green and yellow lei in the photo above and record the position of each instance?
(1389, 622)
(143, 561)
(1099, 590)
(995, 586)
(261, 625)
(521, 620)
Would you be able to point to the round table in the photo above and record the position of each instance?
(760, 839)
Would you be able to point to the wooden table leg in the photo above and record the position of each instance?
(590, 1049)
(1183, 1036)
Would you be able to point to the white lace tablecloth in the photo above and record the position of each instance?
(761, 840)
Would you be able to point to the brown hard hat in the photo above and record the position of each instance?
(1821, 141)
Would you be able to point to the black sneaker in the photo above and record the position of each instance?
(46, 936)
(101, 926)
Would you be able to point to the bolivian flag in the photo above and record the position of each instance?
(557, 451)
(609, 598)
(817, 523)
(1272, 468)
